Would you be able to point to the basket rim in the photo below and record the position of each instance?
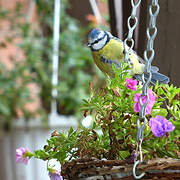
(84, 167)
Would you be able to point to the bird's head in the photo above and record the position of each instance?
(97, 39)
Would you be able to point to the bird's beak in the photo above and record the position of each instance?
(89, 44)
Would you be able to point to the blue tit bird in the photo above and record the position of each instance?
(107, 50)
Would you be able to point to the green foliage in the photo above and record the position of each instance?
(113, 134)
(59, 147)
(14, 94)
(76, 65)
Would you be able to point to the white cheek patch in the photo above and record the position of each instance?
(110, 35)
(100, 44)
(90, 41)
(101, 34)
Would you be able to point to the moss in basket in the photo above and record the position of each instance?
(113, 133)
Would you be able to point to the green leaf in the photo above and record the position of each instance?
(41, 154)
(124, 154)
(70, 132)
(160, 112)
(160, 91)
(177, 124)
(156, 86)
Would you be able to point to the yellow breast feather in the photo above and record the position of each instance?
(113, 51)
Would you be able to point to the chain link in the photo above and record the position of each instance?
(148, 57)
(134, 19)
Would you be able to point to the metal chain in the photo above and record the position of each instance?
(132, 18)
(148, 57)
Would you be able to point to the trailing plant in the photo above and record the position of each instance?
(113, 134)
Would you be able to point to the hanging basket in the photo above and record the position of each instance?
(94, 169)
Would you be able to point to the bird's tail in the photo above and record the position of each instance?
(156, 76)
(161, 78)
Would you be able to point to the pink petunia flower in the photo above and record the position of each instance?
(22, 155)
(151, 102)
(160, 126)
(131, 84)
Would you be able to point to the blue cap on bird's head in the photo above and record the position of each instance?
(97, 39)
(94, 33)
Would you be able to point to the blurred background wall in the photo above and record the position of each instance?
(21, 48)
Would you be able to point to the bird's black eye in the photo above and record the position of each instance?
(96, 41)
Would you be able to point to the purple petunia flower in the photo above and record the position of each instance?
(55, 175)
(131, 84)
(21, 155)
(160, 126)
(152, 99)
